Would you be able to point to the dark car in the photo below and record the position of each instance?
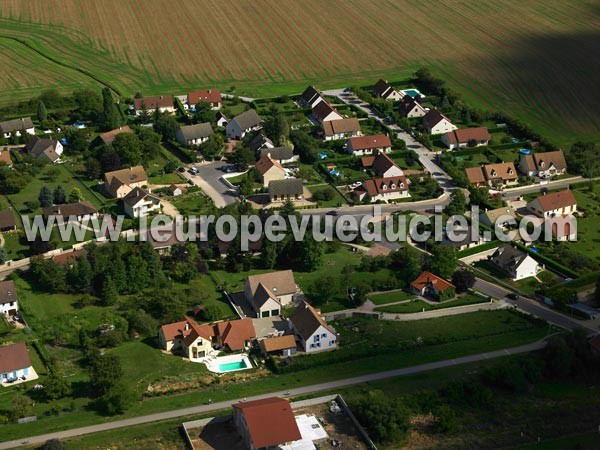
(513, 296)
(333, 212)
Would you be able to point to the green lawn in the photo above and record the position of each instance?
(390, 297)
(588, 441)
(337, 200)
(419, 305)
(194, 203)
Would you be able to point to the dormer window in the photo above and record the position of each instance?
(393, 186)
(510, 171)
(401, 185)
(384, 187)
(494, 173)
(542, 163)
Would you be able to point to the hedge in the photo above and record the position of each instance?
(480, 248)
(564, 270)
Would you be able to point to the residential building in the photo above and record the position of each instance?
(563, 228)
(119, 183)
(341, 129)
(234, 335)
(47, 149)
(222, 120)
(553, 204)
(189, 337)
(15, 365)
(435, 122)
(269, 170)
(385, 91)
(515, 263)
(151, 104)
(311, 329)
(466, 137)
(323, 112)
(369, 145)
(493, 175)
(383, 189)
(194, 134)
(174, 190)
(544, 165)
(310, 97)
(430, 285)
(382, 165)
(212, 96)
(464, 238)
(5, 157)
(9, 300)
(259, 142)
(80, 211)
(500, 217)
(109, 137)
(17, 127)
(268, 423)
(410, 108)
(8, 222)
(243, 124)
(269, 292)
(288, 189)
(280, 345)
(283, 155)
(139, 203)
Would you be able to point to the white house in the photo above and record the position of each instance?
(283, 155)
(385, 91)
(544, 165)
(151, 104)
(515, 263)
(435, 122)
(554, 204)
(324, 112)
(139, 203)
(194, 134)
(9, 301)
(311, 329)
(119, 183)
(269, 292)
(369, 145)
(47, 149)
(80, 211)
(310, 97)
(382, 165)
(212, 96)
(411, 108)
(222, 121)
(242, 124)
(15, 365)
(17, 127)
(383, 189)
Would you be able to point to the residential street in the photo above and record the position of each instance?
(205, 409)
(558, 184)
(209, 180)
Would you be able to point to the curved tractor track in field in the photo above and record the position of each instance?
(62, 63)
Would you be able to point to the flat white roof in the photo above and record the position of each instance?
(310, 430)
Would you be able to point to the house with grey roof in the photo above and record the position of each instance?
(194, 134)
(311, 329)
(269, 292)
(515, 263)
(139, 203)
(288, 189)
(47, 149)
(283, 155)
(243, 123)
(259, 142)
(17, 127)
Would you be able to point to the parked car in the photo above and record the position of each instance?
(193, 170)
(191, 183)
(513, 296)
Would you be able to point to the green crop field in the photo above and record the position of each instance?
(535, 60)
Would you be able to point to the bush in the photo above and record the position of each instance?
(386, 419)
(324, 195)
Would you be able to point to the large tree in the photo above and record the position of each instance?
(110, 115)
(42, 112)
(129, 148)
(166, 125)
(458, 203)
(59, 195)
(45, 197)
(463, 280)
(443, 261)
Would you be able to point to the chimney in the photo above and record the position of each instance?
(187, 326)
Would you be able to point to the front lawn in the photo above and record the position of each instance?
(390, 297)
(420, 306)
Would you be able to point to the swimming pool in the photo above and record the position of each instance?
(413, 92)
(230, 363)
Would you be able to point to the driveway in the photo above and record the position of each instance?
(209, 180)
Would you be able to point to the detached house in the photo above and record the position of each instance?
(341, 129)
(194, 340)
(283, 155)
(269, 170)
(311, 329)
(382, 165)
(430, 285)
(267, 423)
(492, 175)
(119, 183)
(269, 292)
(8, 222)
(288, 189)
(15, 365)
(385, 91)
(151, 104)
(109, 137)
(234, 335)
(435, 122)
(411, 108)
(515, 263)
(324, 112)
(9, 300)
(194, 134)
(243, 124)
(544, 165)
(139, 203)
(310, 97)
(366, 145)
(259, 142)
(47, 149)
(17, 127)
(466, 137)
(212, 96)
(383, 189)
(463, 239)
(80, 211)
(222, 120)
(553, 204)
(500, 217)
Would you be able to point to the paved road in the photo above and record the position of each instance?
(205, 409)
(209, 180)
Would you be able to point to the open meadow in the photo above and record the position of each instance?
(534, 60)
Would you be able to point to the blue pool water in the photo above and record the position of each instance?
(228, 367)
(413, 92)
(525, 151)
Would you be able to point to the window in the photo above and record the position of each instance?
(265, 314)
(312, 345)
(324, 335)
(331, 343)
(316, 338)
(275, 312)
(318, 345)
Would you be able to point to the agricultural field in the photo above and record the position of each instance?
(534, 60)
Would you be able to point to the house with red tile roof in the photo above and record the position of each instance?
(466, 137)
(544, 164)
(369, 145)
(164, 103)
(266, 423)
(384, 189)
(554, 204)
(269, 170)
(212, 96)
(187, 336)
(430, 285)
(235, 335)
